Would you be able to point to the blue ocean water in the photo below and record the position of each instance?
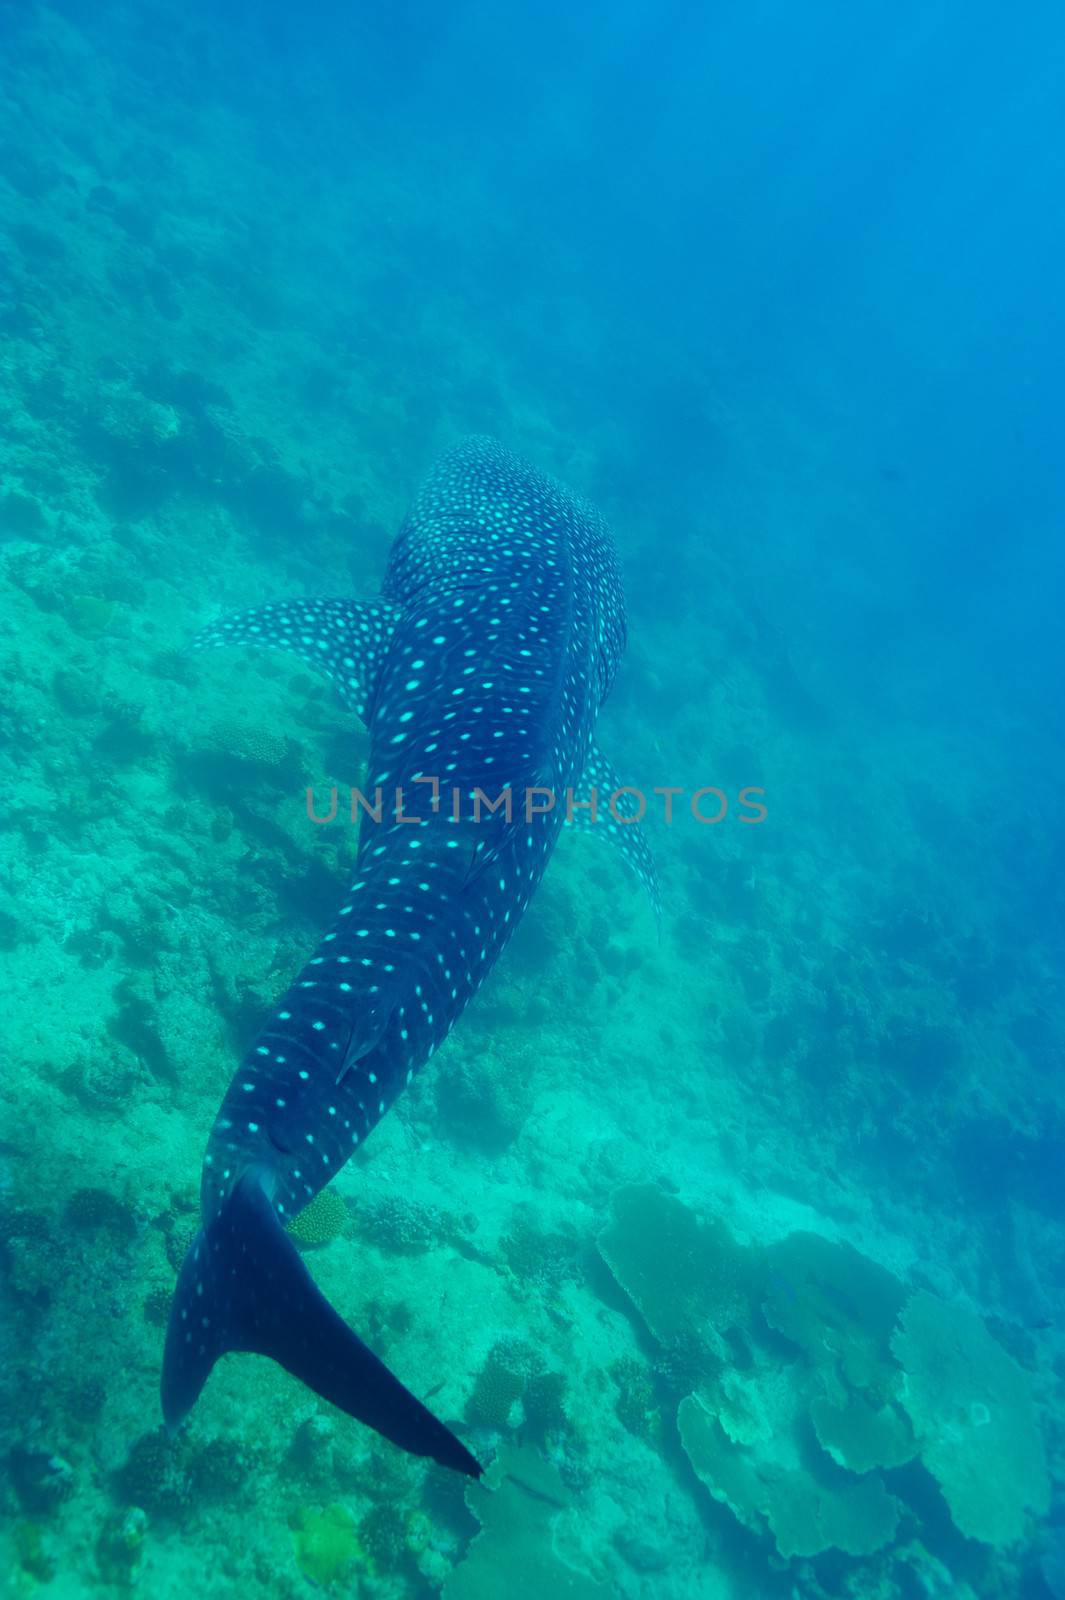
(735, 1251)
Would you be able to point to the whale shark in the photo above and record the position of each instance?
(479, 672)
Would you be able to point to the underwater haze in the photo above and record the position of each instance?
(730, 1243)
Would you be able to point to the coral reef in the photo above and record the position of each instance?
(155, 1475)
(538, 1257)
(260, 747)
(383, 1535)
(500, 1385)
(877, 1378)
(683, 1272)
(835, 1304)
(320, 1222)
(41, 1481)
(543, 1404)
(859, 1434)
(97, 1208)
(636, 1404)
(120, 1547)
(519, 1505)
(402, 1225)
(972, 1409)
(805, 1514)
(485, 1102)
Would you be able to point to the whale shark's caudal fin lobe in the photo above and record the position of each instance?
(243, 1286)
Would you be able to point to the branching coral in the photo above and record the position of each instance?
(402, 1226)
(156, 1475)
(500, 1384)
(636, 1405)
(542, 1403)
(538, 1258)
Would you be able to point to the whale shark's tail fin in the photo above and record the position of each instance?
(243, 1286)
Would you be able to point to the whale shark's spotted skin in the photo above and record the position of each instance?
(483, 666)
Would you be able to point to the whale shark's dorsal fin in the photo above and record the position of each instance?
(345, 639)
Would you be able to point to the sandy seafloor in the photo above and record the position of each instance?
(224, 363)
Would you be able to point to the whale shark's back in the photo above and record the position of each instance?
(487, 522)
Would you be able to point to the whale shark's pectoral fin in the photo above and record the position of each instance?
(345, 639)
(617, 816)
(243, 1286)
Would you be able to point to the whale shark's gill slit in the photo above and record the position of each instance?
(281, 1136)
(244, 1286)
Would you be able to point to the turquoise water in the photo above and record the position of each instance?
(735, 1250)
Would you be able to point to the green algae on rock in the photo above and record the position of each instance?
(33, 1552)
(90, 614)
(327, 1545)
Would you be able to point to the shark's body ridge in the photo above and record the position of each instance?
(482, 666)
